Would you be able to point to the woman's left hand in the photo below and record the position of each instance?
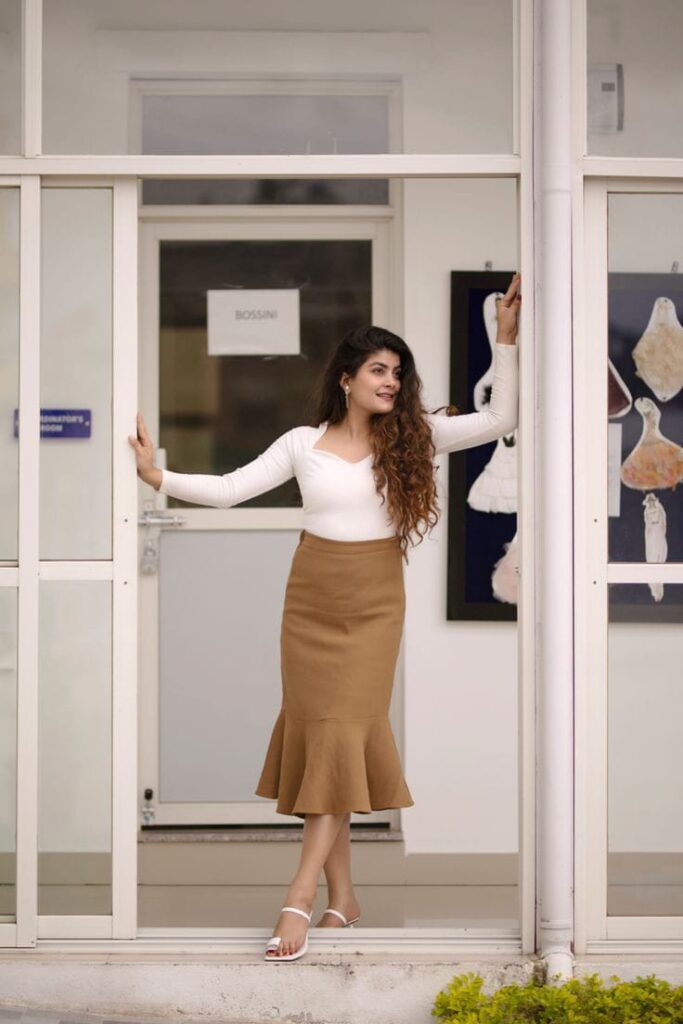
(507, 310)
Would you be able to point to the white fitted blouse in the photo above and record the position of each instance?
(340, 500)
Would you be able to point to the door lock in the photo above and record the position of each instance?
(154, 520)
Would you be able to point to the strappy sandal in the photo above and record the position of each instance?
(276, 940)
(338, 913)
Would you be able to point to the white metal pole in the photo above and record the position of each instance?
(553, 327)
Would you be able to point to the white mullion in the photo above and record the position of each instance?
(580, 412)
(339, 165)
(590, 568)
(632, 167)
(31, 77)
(526, 606)
(125, 568)
(28, 569)
(76, 570)
(645, 572)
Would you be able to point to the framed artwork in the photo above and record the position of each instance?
(644, 381)
(645, 410)
(482, 486)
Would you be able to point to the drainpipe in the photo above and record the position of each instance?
(553, 331)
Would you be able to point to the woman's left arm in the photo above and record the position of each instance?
(499, 417)
(451, 433)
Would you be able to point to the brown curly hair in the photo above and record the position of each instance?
(401, 439)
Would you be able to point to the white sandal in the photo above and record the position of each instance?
(345, 923)
(276, 940)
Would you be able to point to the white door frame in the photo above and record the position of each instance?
(242, 223)
(121, 569)
(596, 932)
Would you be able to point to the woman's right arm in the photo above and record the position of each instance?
(271, 468)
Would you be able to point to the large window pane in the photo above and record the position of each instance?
(212, 405)
(75, 742)
(76, 374)
(645, 761)
(635, 100)
(449, 66)
(9, 370)
(10, 77)
(215, 119)
(645, 379)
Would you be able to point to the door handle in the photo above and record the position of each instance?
(155, 517)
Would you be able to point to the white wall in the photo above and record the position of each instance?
(646, 39)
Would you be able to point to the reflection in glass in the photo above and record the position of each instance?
(75, 743)
(218, 412)
(8, 749)
(266, 123)
(76, 372)
(645, 384)
(9, 371)
(453, 64)
(10, 77)
(645, 763)
(634, 69)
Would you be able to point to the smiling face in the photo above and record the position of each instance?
(376, 383)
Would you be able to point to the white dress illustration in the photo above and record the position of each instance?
(654, 516)
(656, 463)
(505, 576)
(658, 354)
(495, 489)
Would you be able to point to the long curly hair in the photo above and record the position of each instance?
(401, 439)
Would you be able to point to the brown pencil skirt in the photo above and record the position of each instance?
(332, 748)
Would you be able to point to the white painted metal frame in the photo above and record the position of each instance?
(242, 86)
(78, 168)
(243, 224)
(123, 572)
(596, 931)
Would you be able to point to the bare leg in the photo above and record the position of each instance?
(320, 833)
(337, 869)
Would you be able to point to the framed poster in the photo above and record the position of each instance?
(482, 486)
(645, 409)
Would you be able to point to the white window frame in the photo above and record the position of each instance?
(596, 932)
(122, 171)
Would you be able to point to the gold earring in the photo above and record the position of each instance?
(346, 396)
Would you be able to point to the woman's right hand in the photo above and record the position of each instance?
(144, 454)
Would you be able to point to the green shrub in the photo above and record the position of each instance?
(577, 1001)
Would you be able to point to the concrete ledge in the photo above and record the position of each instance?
(240, 989)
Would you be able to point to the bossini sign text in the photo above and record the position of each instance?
(257, 322)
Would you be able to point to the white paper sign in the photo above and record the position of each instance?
(254, 322)
(614, 469)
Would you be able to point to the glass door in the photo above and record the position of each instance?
(212, 581)
(629, 435)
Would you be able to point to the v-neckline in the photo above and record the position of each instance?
(348, 462)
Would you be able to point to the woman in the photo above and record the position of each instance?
(367, 479)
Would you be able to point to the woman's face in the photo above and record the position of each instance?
(377, 382)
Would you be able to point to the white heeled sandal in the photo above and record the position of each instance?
(338, 913)
(276, 940)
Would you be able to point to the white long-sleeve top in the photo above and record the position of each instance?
(340, 500)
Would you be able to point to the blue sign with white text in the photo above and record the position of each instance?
(61, 422)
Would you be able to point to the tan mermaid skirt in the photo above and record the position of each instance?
(332, 748)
